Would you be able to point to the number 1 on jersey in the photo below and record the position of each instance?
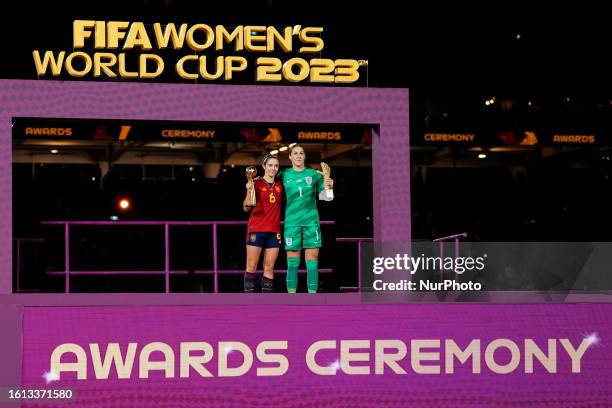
(300, 191)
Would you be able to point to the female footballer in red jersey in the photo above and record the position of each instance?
(263, 230)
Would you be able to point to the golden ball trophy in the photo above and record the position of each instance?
(251, 173)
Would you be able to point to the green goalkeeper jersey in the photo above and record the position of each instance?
(302, 189)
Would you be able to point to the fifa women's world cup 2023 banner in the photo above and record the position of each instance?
(135, 50)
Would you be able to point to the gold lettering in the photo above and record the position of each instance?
(218, 68)
(347, 71)
(267, 68)
(208, 33)
(114, 30)
(137, 37)
(48, 60)
(252, 35)
(169, 33)
(181, 70)
(100, 40)
(230, 67)
(302, 73)
(81, 32)
(223, 35)
(186, 133)
(110, 60)
(45, 131)
(285, 41)
(449, 137)
(123, 72)
(580, 139)
(320, 135)
(307, 38)
(70, 68)
(320, 70)
(157, 61)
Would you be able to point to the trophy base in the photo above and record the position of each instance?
(251, 205)
(326, 195)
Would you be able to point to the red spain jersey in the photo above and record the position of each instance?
(265, 216)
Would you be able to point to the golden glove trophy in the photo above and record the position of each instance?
(251, 173)
(329, 193)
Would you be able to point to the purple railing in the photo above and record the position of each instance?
(167, 272)
(442, 240)
(215, 271)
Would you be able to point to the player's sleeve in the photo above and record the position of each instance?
(319, 182)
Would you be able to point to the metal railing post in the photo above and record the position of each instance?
(18, 278)
(167, 255)
(442, 261)
(67, 257)
(215, 260)
(456, 238)
(359, 265)
(456, 255)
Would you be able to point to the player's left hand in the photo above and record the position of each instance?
(328, 182)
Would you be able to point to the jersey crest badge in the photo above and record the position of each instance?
(308, 180)
(288, 241)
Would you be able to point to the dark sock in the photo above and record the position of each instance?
(249, 282)
(267, 285)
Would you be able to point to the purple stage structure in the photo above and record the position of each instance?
(36, 325)
(385, 109)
